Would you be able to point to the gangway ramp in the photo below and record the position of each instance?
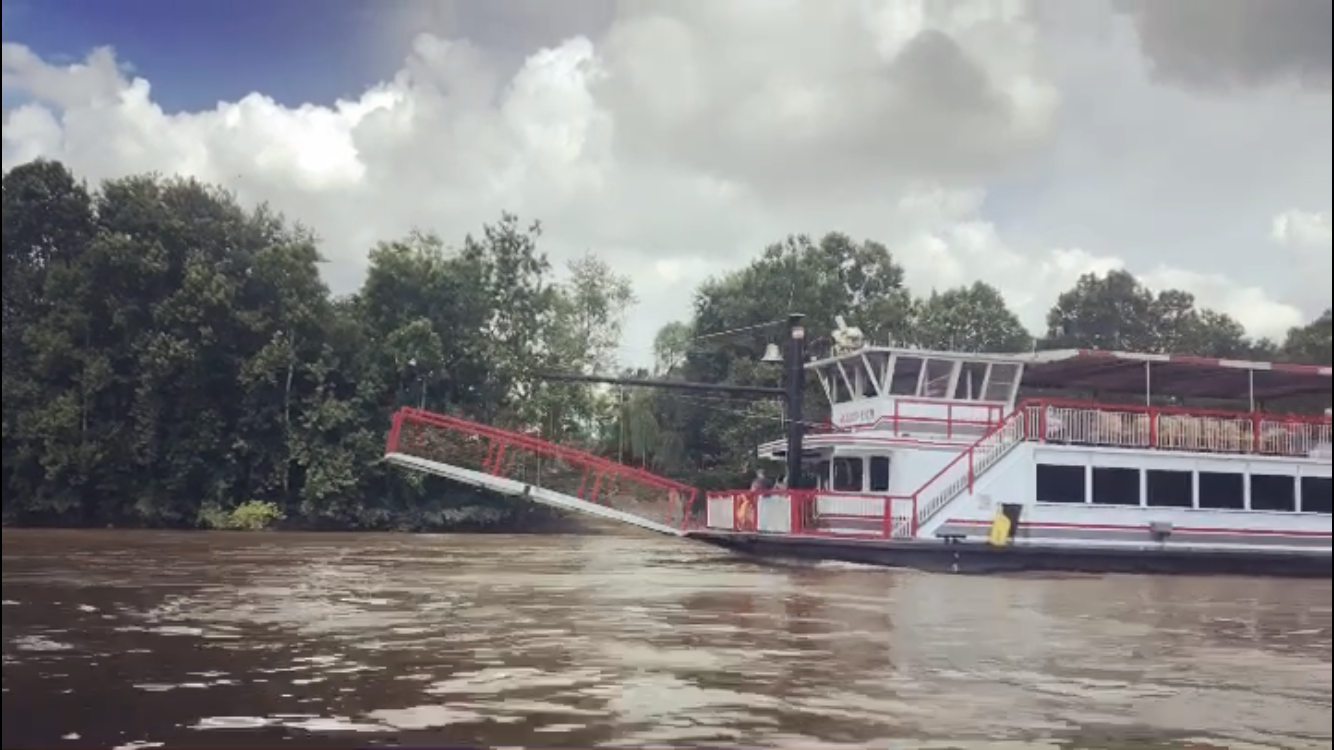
(514, 463)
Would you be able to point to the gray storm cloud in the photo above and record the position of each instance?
(1231, 43)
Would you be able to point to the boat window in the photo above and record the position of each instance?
(837, 388)
(877, 361)
(1060, 484)
(903, 381)
(822, 470)
(1169, 488)
(1316, 496)
(867, 378)
(857, 374)
(1274, 492)
(1219, 491)
(1001, 381)
(879, 474)
(936, 384)
(971, 377)
(1115, 485)
(847, 475)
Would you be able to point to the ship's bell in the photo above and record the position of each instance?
(771, 354)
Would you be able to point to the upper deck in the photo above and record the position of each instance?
(881, 395)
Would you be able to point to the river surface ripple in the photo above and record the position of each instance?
(141, 639)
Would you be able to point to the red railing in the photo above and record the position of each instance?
(842, 515)
(961, 418)
(540, 463)
(1178, 429)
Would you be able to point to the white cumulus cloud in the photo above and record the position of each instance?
(980, 139)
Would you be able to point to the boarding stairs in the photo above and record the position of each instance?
(961, 474)
(523, 465)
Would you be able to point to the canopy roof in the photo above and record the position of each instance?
(1197, 377)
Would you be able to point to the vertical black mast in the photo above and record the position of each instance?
(796, 388)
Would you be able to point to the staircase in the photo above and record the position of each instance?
(963, 472)
(515, 463)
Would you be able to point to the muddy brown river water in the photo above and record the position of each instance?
(137, 639)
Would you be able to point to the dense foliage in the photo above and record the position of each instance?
(172, 359)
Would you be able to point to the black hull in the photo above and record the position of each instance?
(980, 558)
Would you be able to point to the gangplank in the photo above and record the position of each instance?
(513, 463)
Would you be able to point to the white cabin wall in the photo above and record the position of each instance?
(1014, 480)
(910, 469)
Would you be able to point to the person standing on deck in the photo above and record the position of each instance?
(761, 481)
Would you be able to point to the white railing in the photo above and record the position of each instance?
(1172, 430)
(720, 513)
(902, 518)
(775, 514)
(861, 506)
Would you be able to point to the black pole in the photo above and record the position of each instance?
(796, 387)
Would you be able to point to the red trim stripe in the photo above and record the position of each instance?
(1124, 527)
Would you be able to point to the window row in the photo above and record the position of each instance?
(1170, 488)
(899, 375)
(855, 474)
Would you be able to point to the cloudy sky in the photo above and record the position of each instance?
(1021, 142)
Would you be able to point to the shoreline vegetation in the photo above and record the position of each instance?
(173, 359)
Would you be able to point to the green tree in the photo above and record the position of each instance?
(1116, 312)
(1112, 312)
(1310, 343)
(589, 310)
(970, 319)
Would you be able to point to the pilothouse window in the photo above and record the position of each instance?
(838, 388)
(878, 362)
(903, 381)
(971, 377)
(1001, 382)
(936, 384)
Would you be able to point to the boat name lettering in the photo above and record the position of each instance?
(857, 417)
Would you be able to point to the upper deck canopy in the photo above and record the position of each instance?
(1195, 377)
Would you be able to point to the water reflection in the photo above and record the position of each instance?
(133, 638)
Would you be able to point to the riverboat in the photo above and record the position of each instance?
(1074, 460)
(933, 460)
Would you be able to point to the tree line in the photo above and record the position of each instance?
(171, 357)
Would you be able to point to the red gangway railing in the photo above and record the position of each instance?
(541, 463)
